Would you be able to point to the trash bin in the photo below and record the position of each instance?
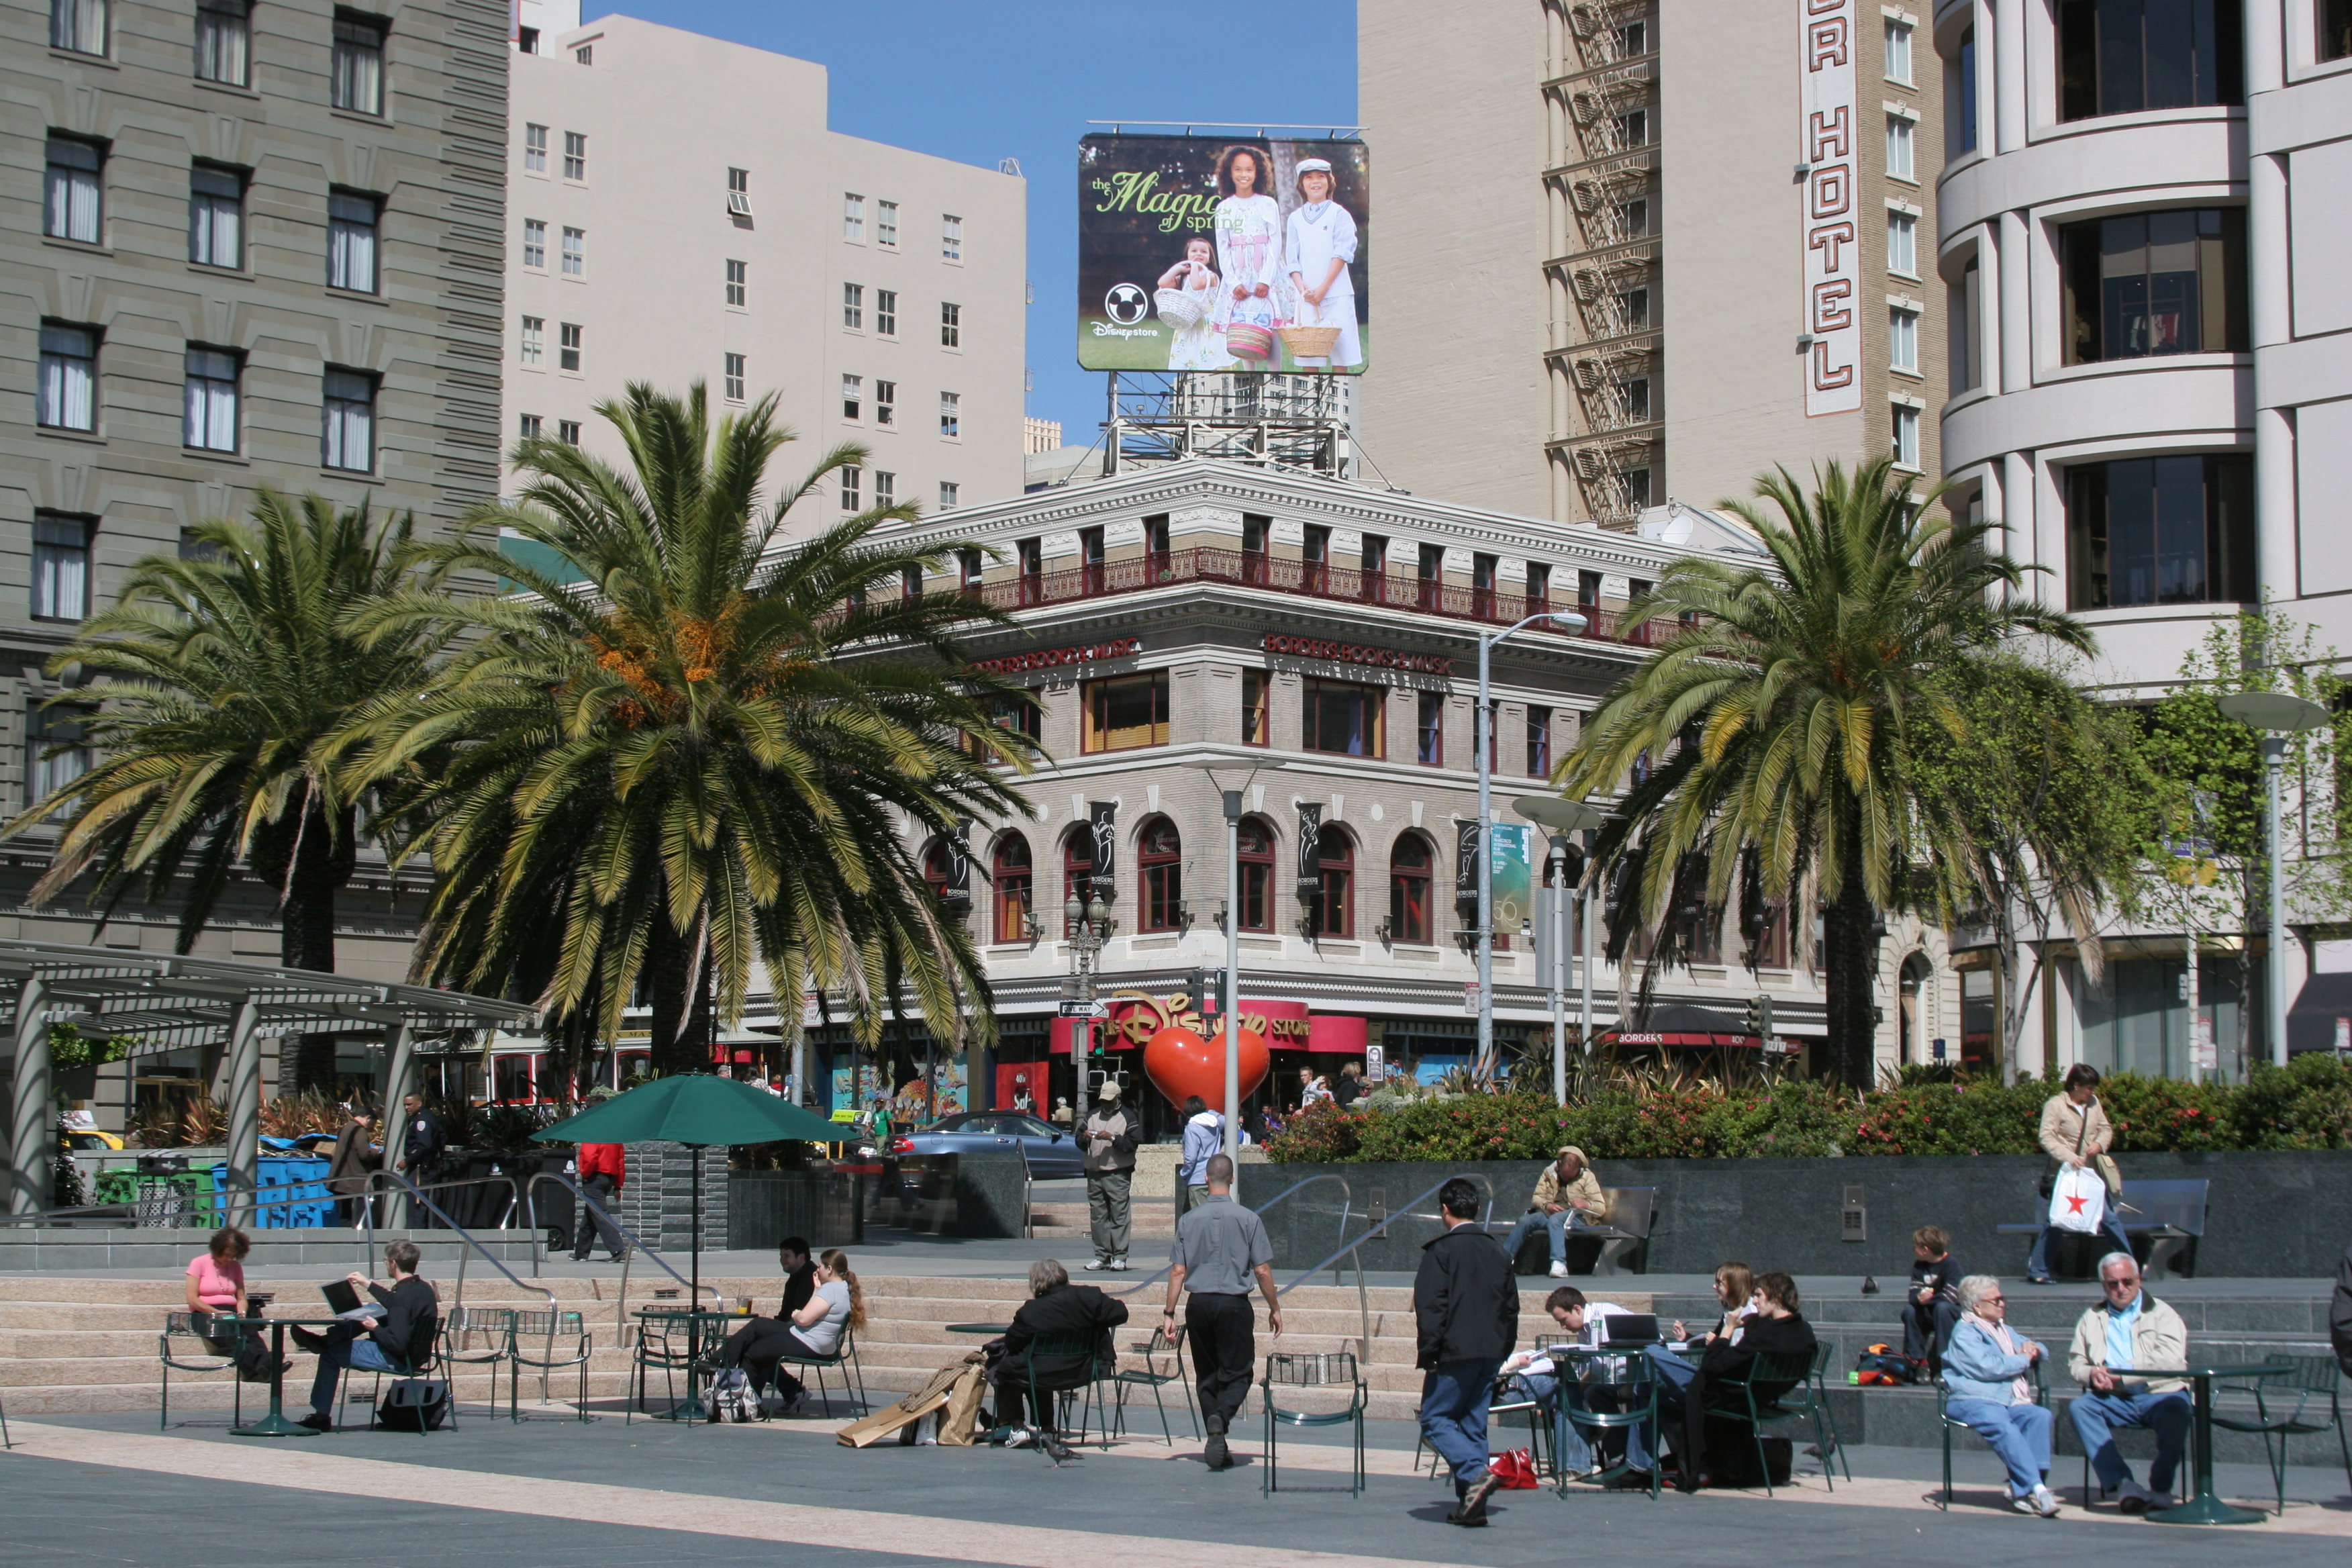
(294, 1186)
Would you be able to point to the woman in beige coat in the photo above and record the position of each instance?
(2075, 1131)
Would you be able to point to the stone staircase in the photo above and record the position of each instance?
(1148, 1219)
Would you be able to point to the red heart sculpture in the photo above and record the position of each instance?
(1180, 1064)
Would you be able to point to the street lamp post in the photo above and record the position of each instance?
(2277, 714)
(1086, 926)
(1560, 819)
(1568, 621)
(1232, 1019)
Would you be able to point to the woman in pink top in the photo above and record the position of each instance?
(217, 1284)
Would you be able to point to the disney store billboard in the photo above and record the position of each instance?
(1212, 253)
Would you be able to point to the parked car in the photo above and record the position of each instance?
(1052, 1155)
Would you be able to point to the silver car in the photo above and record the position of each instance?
(1052, 1155)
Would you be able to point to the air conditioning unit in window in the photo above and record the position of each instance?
(740, 203)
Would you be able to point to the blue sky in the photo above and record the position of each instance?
(990, 79)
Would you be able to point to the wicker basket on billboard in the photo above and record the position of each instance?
(1180, 307)
(1246, 342)
(1309, 342)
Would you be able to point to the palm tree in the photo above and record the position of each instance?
(1780, 717)
(225, 675)
(686, 745)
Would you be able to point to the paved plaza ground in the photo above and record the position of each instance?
(554, 1492)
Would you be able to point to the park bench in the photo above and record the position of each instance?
(1623, 1242)
(2171, 1213)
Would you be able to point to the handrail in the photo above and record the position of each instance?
(1363, 1296)
(620, 1305)
(1347, 1210)
(417, 1194)
(368, 1199)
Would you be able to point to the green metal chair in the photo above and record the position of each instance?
(477, 1336)
(2315, 1380)
(1945, 1419)
(183, 1326)
(539, 1331)
(1330, 1369)
(424, 1352)
(656, 1349)
(845, 1358)
(1806, 1399)
(1149, 1375)
(1633, 1388)
(1079, 1381)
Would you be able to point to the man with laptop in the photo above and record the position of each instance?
(1558, 1385)
(381, 1335)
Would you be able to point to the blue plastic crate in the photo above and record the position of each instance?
(311, 1204)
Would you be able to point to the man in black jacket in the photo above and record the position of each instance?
(1056, 1309)
(427, 1142)
(402, 1334)
(1466, 1305)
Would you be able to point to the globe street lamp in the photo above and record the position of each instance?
(1568, 621)
(2277, 714)
(1563, 817)
(1233, 1018)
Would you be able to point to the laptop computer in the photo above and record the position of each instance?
(343, 1300)
(1630, 1329)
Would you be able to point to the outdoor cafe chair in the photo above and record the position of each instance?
(1149, 1375)
(1806, 1399)
(2317, 1409)
(1327, 1369)
(531, 1344)
(424, 1352)
(844, 1358)
(1951, 1424)
(195, 1353)
(656, 1348)
(1079, 1385)
(1633, 1389)
(477, 1336)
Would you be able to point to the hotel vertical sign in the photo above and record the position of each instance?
(1833, 219)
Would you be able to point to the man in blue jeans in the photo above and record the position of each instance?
(2118, 1345)
(1466, 1305)
(383, 1344)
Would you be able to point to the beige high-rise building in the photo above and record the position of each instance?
(1637, 251)
(679, 212)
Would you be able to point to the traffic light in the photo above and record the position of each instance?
(1196, 990)
(1759, 1017)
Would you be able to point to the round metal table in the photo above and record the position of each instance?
(2206, 1507)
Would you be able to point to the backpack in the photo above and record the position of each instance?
(1883, 1364)
(414, 1405)
(732, 1398)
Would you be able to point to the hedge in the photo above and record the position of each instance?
(2306, 1105)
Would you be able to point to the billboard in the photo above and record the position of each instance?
(1215, 253)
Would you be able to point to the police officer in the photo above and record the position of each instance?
(426, 1144)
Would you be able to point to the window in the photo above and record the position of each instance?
(575, 253)
(1410, 865)
(1898, 51)
(526, 40)
(2160, 531)
(1906, 444)
(1011, 874)
(1160, 871)
(1538, 743)
(224, 41)
(78, 26)
(1429, 729)
(57, 752)
(61, 566)
(853, 306)
(357, 83)
(733, 369)
(853, 218)
(534, 242)
(534, 149)
(1429, 584)
(209, 400)
(2121, 56)
(1257, 714)
(1334, 878)
(70, 210)
(1633, 217)
(968, 570)
(1960, 95)
(69, 395)
(885, 403)
(575, 156)
(853, 396)
(1633, 38)
(351, 241)
(2155, 283)
(1900, 164)
(1254, 844)
(348, 427)
(1078, 865)
(585, 54)
(738, 192)
(1126, 712)
(948, 491)
(950, 416)
(886, 312)
(950, 238)
(885, 493)
(1902, 244)
(2334, 30)
(885, 223)
(853, 478)
(1337, 716)
(526, 427)
(1635, 397)
(534, 338)
(1588, 591)
(567, 351)
(1633, 309)
(1964, 325)
(1633, 128)
(739, 282)
(950, 326)
(1374, 559)
(568, 432)
(1482, 584)
(1539, 597)
(1903, 340)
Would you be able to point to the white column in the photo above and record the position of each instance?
(399, 1067)
(1996, 510)
(2265, 46)
(2270, 285)
(2275, 526)
(32, 1130)
(2008, 18)
(2020, 519)
(2016, 303)
(244, 1112)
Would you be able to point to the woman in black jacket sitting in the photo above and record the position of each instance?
(1775, 1329)
(1056, 1309)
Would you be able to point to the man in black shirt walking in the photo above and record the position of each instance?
(1466, 1305)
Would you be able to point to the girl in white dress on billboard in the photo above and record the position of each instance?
(1249, 257)
(1188, 296)
(1320, 243)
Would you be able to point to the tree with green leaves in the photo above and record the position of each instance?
(1783, 709)
(688, 744)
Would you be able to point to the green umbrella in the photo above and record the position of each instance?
(697, 1111)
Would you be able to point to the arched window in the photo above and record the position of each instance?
(1257, 874)
(1335, 865)
(940, 876)
(1011, 873)
(1077, 868)
(1409, 919)
(1160, 872)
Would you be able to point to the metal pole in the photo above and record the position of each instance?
(1232, 799)
(1555, 966)
(2274, 759)
(1484, 1071)
(400, 1063)
(244, 1112)
(32, 1134)
(1587, 922)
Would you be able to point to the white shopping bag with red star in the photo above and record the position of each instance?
(2078, 1199)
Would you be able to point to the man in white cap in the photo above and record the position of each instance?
(1109, 1137)
(1320, 245)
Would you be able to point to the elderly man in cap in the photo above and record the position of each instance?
(1108, 1139)
(1568, 1195)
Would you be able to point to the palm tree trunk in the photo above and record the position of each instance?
(682, 1030)
(321, 860)
(1852, 961)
